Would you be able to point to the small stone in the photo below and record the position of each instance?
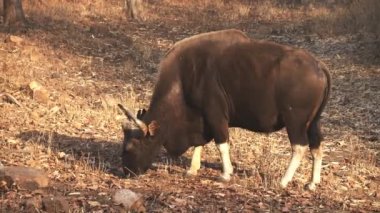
(61, 155)
(39, 93)
(34, 115)
(41, 96)
(93, 203)
(12, 141)
(35, 85)
(24, 177)
(130, 200)
(16, 39)
(34, 57)
(74, 194)
(55, 204)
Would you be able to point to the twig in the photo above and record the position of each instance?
(11, 99)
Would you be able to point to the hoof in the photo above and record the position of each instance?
(311, 186)
(191, 173)
(283, 184)
(224, 178)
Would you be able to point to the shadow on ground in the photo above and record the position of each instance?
(97, 153)
(106, 155)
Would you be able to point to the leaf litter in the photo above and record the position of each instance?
(86, 66)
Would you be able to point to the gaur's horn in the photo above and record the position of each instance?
(139, 123)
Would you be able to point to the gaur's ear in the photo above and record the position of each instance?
(140, 113)
(152, 128)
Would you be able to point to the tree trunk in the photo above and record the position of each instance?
(13, 12)
(133, 9)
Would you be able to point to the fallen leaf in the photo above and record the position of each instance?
(93, 203)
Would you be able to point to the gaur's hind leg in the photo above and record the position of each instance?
(195, 161)
(315, 137)
(299, 141)
(298, 152)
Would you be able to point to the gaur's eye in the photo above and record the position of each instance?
(129, 146)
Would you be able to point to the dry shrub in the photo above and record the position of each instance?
(74, 9)
(207, 10)
(365, 15)
(358, 16)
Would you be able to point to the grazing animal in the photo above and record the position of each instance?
(210, 83)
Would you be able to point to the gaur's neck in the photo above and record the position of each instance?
(168, 108)
(167, 103)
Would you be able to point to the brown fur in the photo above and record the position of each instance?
(210, 83)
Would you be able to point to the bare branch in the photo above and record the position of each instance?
(11, 99)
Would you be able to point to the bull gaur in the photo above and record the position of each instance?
(223, 79)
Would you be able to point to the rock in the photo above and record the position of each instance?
(130, 200)
(41, 96)
(55, 204)
(34, 115)
(61, 155)
(24, 177)
(12, 141)
(15, 39)
(39, 93)
(34, 85)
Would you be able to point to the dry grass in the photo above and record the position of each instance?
(75, 10)
(89, 57)
(359, 16)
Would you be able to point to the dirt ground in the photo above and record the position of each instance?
(89, 57)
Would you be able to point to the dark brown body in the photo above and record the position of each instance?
(208, 86)
(180, 126)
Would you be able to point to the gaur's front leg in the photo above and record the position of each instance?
(195, 162)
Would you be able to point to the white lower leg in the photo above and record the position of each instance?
(224, 150)
(317, 165)
(297, 155)
(195, 161)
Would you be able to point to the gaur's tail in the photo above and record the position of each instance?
(314, 133)
(323, 67)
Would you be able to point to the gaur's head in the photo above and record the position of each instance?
(140, 144)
